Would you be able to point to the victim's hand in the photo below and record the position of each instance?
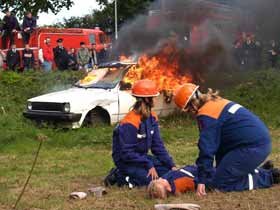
(201, 190)
(153, 173)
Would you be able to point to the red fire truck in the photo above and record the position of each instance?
(71, 38)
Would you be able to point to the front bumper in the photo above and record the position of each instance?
(52, 116)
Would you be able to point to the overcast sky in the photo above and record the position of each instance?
(80, 7)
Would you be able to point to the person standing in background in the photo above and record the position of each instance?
(2, 58)
(249, 49)
(83, 57)
(273, 54)
(72, 59)
(13, 58)
(61, 56)
(9, 28)
(46, 56)
(27, 58)
(94, 56)
(28, 26)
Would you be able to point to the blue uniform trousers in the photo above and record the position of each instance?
(137, 176)
(237, 170)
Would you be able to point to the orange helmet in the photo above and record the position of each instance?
(145, 88)
(184, 94)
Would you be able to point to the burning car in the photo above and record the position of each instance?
(103, 96)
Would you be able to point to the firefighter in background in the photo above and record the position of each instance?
(28, 26)
(229, 133)
(9, 28)
(61, 56)
(136, 134)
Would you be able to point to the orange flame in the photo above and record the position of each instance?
(163, 68)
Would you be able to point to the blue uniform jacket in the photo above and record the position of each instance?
(224, 126)
(132, 140)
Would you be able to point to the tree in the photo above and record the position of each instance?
(104, 18)
(35, 6)
(127, 9)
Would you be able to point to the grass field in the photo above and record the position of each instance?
(74, 160)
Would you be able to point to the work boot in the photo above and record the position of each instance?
(276, 175)
(268, 165)
(111, 178)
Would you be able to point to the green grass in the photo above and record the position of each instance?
(74, 160)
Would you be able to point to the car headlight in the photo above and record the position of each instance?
(66, 107)
(29, 105)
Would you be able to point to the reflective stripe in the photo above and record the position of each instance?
(129, 184)
(141, 136)
(234, 108)
(251, 183)
(186, 172)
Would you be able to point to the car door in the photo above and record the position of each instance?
(126, 101)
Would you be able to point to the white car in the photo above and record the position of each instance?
(101, 97)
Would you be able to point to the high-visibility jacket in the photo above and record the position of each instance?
(132, 140)
(225, 126)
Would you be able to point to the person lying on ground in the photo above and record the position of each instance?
(232, 135)
(185, 180)
(136, 134)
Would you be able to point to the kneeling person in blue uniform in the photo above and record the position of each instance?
(232, 135)
(136, 134)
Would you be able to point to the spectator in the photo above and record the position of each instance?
(72, 59)
(13, 58)
(28, 26)
(27, 58)
(273, 54)
(249, 49)
(2, 58)
(102, 55)
(9, 28)
(46, 55)
(61, 56)
(237, 53)
(83, 57)
(94, 56)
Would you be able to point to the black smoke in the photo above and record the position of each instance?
(219, 21)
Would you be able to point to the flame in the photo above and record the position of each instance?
(163, 68)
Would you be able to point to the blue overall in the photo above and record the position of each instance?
(132, 140)
(238, 141)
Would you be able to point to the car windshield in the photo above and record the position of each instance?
(105, 78)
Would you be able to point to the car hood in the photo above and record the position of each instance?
(79, 97)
